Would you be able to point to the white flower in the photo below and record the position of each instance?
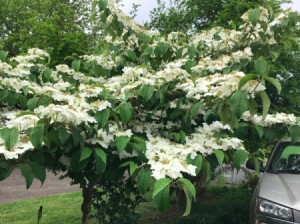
(23, 144)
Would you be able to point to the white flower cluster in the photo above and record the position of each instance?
(217, 85)
(207, 40)
(64, 114)
(270, 119)
(105, 60)
(23, 144)
(126, 20)
(223, 61)
(167, 158)
(12, 119)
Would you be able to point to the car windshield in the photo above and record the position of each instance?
(286, 159)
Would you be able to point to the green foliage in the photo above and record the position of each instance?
(6, 168)
(254, 16)
(27, 173)
(3, 55)
(85, 154)
(160, 196)
(220, 156)
(37, 136)
(220, 205)
(239, 157)
(147, 92)
(9, 136)
(144, 180)
(122, 142)
(102, 117)
(50, 25)
(193, 15)
(190, 194)
(238, 103)
(101, 160)
(126, 112)
(115, 202)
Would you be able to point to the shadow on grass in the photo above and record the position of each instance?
(215, 206)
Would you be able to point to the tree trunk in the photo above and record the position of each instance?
(87, 193)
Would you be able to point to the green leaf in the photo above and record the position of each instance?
(239, 103)
(246, 79)
(63, 135)
(32, 103)
(22, 102)
(147, 92)
(190, 194)
(161, 50)
(160, 196)
(259, 130)
(76, 165)
(175, 113)
(37, 136)
(252, 104)
(274, 55)
(126, 111)
(6, 169)
(132, 166)
(10, 136)
(38, 171)
(76, 65)
(102, 4)
(275, 83)
(293, 18)
(196, 162)
(47, 74)
(295, 133)
(226, 70)
(262, 36)
(122, 142)
(12, 99)
(132, 56)
(261, 66)
(254, 16)
(3, 55)
(85, 153)
(100, 158)
(265, 103)
(139, 144)
(27, 173)
(143, 180)
(195, 109)
(102, 117)
(239, 157)
(220, 156)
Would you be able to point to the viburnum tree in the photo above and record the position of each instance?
(167, 109)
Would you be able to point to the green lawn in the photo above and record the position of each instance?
(216, 206)
(62, 208)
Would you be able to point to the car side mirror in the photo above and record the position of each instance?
(251, 165)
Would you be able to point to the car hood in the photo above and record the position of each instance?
(281, 188)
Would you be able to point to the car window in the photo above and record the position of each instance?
(286, 159)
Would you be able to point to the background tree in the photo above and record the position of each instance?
(57, 26)
(196, 15)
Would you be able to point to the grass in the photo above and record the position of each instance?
(216, 206)
(62, 208)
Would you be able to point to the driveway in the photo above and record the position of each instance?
(14, 187)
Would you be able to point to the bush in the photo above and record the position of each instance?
(220, 206)
(115, 202)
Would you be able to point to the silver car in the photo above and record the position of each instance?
(277, 196)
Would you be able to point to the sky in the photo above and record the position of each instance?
(148, 5)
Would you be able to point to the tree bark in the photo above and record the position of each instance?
(87, 193)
